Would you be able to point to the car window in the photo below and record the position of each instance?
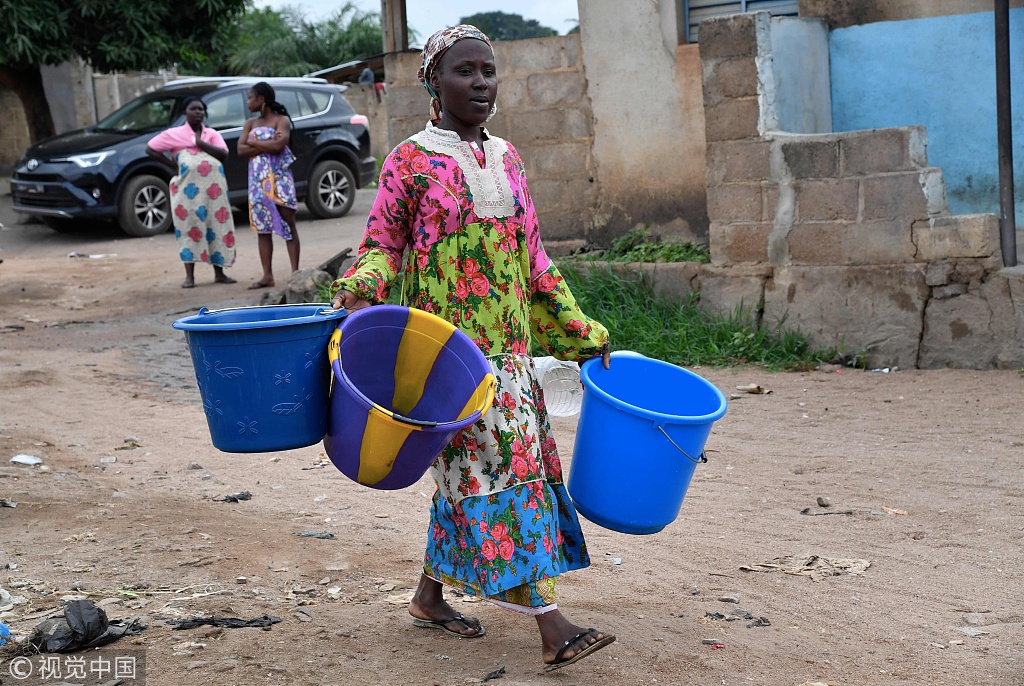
(320, 100)
(141, 115)
(225, 111)
(290, 99)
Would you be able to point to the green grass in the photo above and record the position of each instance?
(681, 332)
(635, 246)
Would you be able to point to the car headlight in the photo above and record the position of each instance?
(91, 159)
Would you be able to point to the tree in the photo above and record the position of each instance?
(283, 43)
(504, 26)
(111, 35)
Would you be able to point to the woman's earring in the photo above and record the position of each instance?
(494, 110)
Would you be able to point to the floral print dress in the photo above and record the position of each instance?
(203, 225)
(270, 184)
(502, 524)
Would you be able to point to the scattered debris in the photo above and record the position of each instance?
(710, 641)
(728, 599)
(753, 389)
(227, 622)
(7, 502)
(30, 460)
(130, 443)
(617, 561)
(823, 501)
(326, 535)
(760, 621)
(813, 566)
(5, 634)
(496, 674)
(970, 631)
(235, 497)
(95, 256)
(894, 510)
(83, 626)
(811, 511)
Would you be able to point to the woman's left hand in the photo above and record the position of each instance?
(606, 356)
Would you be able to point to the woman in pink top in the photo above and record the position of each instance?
(201, 212)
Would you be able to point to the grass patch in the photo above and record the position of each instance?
(636, 246)
(683, 333)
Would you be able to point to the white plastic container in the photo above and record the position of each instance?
(560, 381)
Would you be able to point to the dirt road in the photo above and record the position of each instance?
(924, 472)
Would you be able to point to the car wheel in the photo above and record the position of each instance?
(145, 206)
(332, 190)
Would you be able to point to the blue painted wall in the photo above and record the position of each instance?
(939, 72)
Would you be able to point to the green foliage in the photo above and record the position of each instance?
(505, 26)
(114, 35)
(635, 246)
(681, 332)
(284, 43)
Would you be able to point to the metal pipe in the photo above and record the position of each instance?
(1007, 218)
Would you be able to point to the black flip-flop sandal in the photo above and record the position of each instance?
(558, 662)
(440, 624)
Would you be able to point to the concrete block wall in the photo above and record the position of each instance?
(543, 110)
(13, 131)
(853, 229)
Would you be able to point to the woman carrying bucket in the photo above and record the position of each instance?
(502, 525)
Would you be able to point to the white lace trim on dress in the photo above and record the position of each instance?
(492, 192)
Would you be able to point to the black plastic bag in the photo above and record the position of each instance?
(83, 626)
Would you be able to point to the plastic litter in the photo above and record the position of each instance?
(94, 256)
(84, 625)
(228, 622)
(560, 380)
(5, 634)
(30, 460)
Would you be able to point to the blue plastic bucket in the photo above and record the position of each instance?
(263, 374)
(642, 429)
(405, 382)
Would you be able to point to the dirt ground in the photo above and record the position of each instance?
(924, 471)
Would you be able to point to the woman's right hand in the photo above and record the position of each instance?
(349, 300)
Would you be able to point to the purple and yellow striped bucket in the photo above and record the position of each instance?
(405, 382)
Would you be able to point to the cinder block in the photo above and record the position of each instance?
(851, 243)
(826, 200)
(729, 161)
(734, 35)
(964, 235)
(739, 243)
(732, 119)
(556, 87)
(958, 333)
(551, 161)
(811, 159)
(730, 78)
(539, 55)
(676, 280)
(405, 101)
(401, 69)
(550, 125)
(733, 290)
(894, 196)
(876, 309)
(878, 151)
(735, 202)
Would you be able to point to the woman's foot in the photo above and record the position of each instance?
(430, 610)
(262, 283)
(564, 643)
(223, 278)
(189, 282)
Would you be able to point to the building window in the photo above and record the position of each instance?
(696, 11)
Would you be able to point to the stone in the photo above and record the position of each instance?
(963, 235)
(877, 310)
(808, 159)
(883, 150)
(894, 196)
(957, 333)
(730, 161)
(938, 273)
(735, 202)
(826, 199)
(733, 290)
(732, 119)
(851, 243)
(739, 243)
(676, 280)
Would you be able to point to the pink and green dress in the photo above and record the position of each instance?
(502, 524)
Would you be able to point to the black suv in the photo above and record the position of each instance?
(103, 171)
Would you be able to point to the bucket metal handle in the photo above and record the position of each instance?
(703, 455)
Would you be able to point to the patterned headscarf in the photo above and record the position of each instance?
(435, 48)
